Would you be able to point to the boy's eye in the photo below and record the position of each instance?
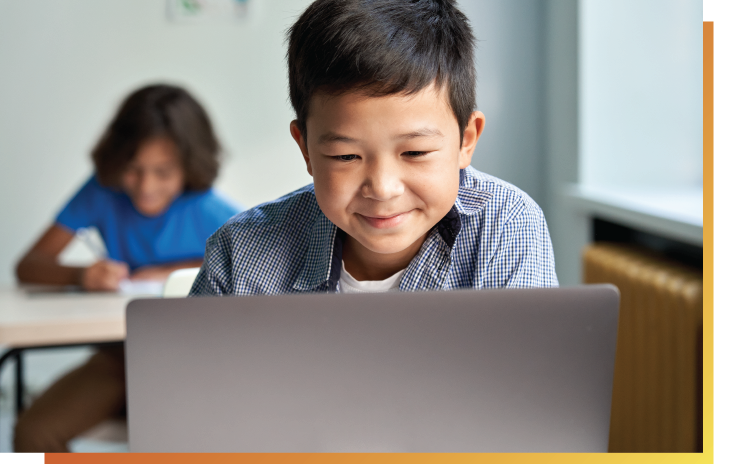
(414, 154)
(346, 157)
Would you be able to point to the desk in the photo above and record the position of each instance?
(33, 317)
(29, 317)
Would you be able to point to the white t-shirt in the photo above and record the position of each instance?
(349, 284)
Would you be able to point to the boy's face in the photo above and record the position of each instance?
(154, 177)
(386, 169)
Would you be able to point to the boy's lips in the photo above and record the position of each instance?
(385, 222)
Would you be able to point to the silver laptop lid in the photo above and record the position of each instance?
(466, 371)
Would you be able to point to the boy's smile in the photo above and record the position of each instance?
(386, 170)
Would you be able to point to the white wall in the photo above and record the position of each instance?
(66, 64)
(569, 230)
(641, 78)
(510, 66)
(623, 106)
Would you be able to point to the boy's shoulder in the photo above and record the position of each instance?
(484, 194)
(294, 211)
(263, 250)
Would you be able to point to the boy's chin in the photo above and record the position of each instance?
(390, 246)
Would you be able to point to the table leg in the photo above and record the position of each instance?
(19, 383)
(16, 354)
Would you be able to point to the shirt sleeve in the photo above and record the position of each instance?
(81, 211)
(525, 257)
(215, 277)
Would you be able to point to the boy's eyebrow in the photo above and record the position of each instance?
(334, 137)
(423, 132)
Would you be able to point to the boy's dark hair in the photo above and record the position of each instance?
(381, 47)
(156, 111)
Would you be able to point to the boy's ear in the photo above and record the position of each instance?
(470, 137)
(300, 140)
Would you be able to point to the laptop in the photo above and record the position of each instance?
(524, 370)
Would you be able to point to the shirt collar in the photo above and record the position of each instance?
(322, 256)
(321, 267)
(471, 199)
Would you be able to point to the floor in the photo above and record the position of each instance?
(41, 369)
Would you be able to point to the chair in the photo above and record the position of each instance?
(179, 282)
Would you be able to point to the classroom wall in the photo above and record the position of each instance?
(66, 64)
(511, 69)
(641, 93)
(569, 230)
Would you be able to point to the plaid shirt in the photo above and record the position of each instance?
(495, 236)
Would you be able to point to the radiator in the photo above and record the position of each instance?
(657, 385)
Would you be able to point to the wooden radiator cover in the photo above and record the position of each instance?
(657, 388)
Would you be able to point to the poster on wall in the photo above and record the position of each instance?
(196, 11)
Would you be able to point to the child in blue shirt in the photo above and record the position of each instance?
(384, 97)
(152, 201)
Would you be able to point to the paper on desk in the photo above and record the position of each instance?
(141, 287)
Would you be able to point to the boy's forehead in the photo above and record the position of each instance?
(431, 92)
(432, 101)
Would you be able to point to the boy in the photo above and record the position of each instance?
(384, 93)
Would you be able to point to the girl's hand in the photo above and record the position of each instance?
(157, 273)
(104, 275)
(162, 271)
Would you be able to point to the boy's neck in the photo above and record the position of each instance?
(363, 264)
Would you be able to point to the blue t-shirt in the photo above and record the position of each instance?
(178, 234)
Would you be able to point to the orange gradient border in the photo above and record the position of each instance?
(365, 458)
(708, 374)
(708, 319)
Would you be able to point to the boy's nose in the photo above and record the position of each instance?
(383, 182)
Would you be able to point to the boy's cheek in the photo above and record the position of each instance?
(326, 184)
(332, 198)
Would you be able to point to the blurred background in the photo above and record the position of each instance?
(593, 107)
(597, 94)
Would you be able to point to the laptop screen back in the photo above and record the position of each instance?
(466, 371)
